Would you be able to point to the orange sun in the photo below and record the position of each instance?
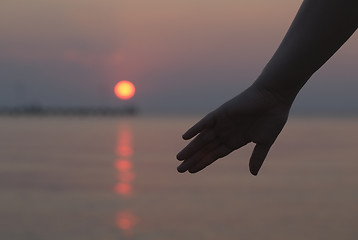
(124, 90)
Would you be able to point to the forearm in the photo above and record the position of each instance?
(319, 29)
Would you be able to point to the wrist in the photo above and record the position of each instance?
(283, 90)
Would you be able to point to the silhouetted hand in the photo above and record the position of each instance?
(258, 114)
(253, 116)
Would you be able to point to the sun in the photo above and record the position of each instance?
(124, 90)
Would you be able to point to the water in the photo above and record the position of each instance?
(115, 178)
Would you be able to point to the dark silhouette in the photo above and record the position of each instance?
(38, 110)
(259, 113)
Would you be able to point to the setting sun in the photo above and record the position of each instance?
(124, 90)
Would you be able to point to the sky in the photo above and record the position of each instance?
(186, 56)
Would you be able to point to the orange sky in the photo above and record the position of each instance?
(64, 52)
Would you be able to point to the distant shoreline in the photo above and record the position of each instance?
(72, 111)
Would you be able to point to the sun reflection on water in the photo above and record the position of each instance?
(125, 219)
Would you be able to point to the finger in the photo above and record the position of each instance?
(220, 152)
(258, 157)
(208, 159)
(194, 146)
(198, 127)
(188, 163)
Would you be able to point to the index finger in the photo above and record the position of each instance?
(195, 145)
(204, 123)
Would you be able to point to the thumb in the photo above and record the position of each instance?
(258, 157)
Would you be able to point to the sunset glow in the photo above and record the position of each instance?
(124, 90)
(124, 164)
(126, 221)
(123, 189)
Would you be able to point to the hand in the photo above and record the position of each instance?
(253, 116)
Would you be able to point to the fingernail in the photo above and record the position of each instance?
(181, 168)
(254, 172)
(180, 156)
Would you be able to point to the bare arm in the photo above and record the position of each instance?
(319, 29)
(260, 112)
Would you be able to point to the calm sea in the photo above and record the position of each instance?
(115, 178)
